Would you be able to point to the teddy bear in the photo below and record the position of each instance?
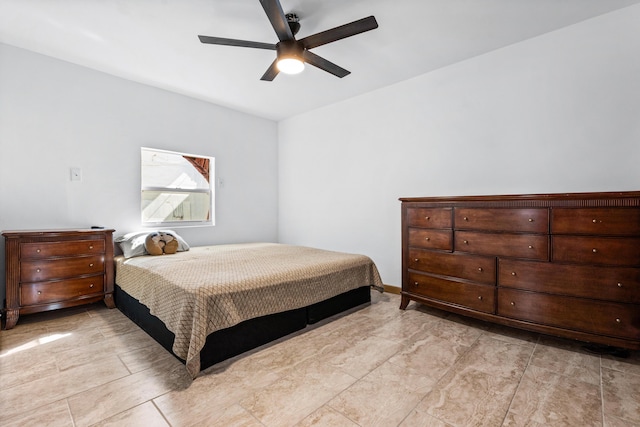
(160, 243)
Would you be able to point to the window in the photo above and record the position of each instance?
(176, 188)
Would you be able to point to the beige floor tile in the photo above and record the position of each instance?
(432, 355)
(548, 399)
(384, 397)
(363, 356)
(496, 357)
(107, 400)
(55, 414)
(420, 419)
(621, 394)
(567, 358)
(326, 417)
(26, 366)
(143, 415)
(630, 364)
(289, 400)
(207, 394)
(46, 390)
(232, 416)
(470, 397)
(150, 356)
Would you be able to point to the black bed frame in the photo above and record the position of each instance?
(245, 336)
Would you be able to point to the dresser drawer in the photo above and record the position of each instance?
(621, 284)
(429, 217)
(472, 267)
(48, 292)
(525, 220)
(530, 246)
(431, 239)
(602, 221)
(471, 295)
(585, 315)
(61, 249)
(40, 270)
(596, 250)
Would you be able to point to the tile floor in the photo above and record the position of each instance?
(377, 366)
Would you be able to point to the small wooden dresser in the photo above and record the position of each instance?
(51, 269)
(561, 264)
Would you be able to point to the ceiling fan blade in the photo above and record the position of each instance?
(341, 32)
(323, 64)
(234, 42)
(278, 20)
(271, 72)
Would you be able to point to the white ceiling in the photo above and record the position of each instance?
(155, 42)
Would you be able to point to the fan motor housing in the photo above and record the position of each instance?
(290, 49)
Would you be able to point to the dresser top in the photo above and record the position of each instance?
(625, 198)
(56, 232)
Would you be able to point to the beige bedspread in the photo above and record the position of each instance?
(210, 288)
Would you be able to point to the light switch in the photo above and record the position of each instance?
(76, 174)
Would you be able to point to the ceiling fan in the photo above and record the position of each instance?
(292, 53)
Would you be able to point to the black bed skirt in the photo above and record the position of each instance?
(245, 336)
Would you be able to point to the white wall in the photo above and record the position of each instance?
(55, 115)
(557, 113)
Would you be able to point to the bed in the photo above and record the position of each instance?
(210, 303)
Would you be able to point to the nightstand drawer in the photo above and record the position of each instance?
(61, 249)
(36, 270)
(46, 292)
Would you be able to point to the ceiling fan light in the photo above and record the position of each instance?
(290, 65)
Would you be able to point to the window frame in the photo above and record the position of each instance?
(210, 191)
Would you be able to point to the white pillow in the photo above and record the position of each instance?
(132, 244)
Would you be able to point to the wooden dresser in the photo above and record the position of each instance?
(51, 269)
(560, 264)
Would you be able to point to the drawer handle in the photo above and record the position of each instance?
(91, 285)
(37, 250)
(465, 218)
(513, 303)
(513, 273)
(480, 297)
(427, 239)
(427, 218)
(619, 285)
(37, 270)
(466, 242)
(617, 320)
(530, 247)
(595, 221)
(90, 246)
(479, 268)
(416, 260)
(39, 292)
(91, 265)
(416, 284)
(594, 250)
(530, 219)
